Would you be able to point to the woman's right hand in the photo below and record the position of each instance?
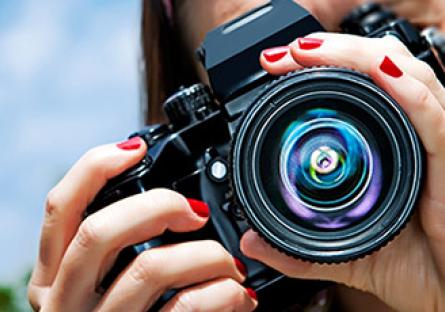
(75, 254)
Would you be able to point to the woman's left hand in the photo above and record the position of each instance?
(409, 274)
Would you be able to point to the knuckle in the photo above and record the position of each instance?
(53, 203)
(428, 76)
(216, 249)
(422, 99)
(346, 47)
(167, 195)
(93, 154)
(239, 296)
(237, 293)
(33, 298)
(184, 302)
(163, 197)
(95, 160)
(440, 128)
(89, 233)
(145, 267)
(394, 44)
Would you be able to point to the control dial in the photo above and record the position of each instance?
(366, 18)
(189, 105)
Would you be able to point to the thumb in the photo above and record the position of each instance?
(351, 273)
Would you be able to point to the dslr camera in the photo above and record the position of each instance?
(322, 163)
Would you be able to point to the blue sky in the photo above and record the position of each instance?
(68, 82)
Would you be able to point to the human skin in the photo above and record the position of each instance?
(197, 17)
(415, 259)
(74, 254)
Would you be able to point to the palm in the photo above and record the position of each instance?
(403, 274)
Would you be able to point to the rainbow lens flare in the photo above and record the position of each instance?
(330, 174)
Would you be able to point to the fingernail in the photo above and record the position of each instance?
(240, 266)
(252, 294)
(391, 69)
(275, 54)
(131, 144)
(199, 207)
(309, 43)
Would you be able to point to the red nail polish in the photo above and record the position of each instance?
(131, 144)
(391, 69)
(252, 294)
(240, 266)
(275, 54)
(309, 43)
(199, 207)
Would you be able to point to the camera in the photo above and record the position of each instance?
(322, 163)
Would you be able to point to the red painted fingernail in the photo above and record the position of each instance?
(131, 144)
(391, 69)
(252, 294)
(309, 43)
(199, 207)
(275, 54)
(240, 266)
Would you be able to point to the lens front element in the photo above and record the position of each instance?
(326, 165)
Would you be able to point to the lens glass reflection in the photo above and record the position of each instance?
(329, 173)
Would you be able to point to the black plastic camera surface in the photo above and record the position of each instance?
(193, 154)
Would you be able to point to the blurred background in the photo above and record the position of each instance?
(68, 82)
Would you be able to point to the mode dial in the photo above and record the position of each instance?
(366, 18)
(189, 105)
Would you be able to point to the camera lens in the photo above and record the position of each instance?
(326, 165)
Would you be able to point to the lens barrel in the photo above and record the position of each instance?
(326, 165)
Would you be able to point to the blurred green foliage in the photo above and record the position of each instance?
(13, 297)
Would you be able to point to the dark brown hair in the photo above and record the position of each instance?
(165, 65)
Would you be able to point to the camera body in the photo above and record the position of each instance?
(200, 153)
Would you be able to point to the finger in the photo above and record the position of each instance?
(415, 87)
(256, 248)
(280, 56)
(226, 295)
(169, 267)
(360, 53)
(417, 90)
(422, 108)
(344, 50)
(103, 234)
(422, 72)
(316, 49)
(428, 117)
(69, 198)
